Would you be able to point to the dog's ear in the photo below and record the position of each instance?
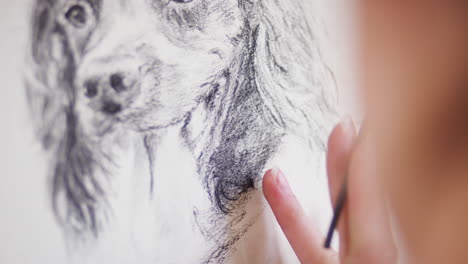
(48, 74)
(292, 76)
(283, 87)
(77, 175)
(41, 26)
(42, 103)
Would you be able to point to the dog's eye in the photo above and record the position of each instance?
(182, 1)
(76, 15)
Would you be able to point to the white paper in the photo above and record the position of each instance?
(138, 131)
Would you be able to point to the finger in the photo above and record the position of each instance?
(340, 145)
(304, 238)
(369, 233)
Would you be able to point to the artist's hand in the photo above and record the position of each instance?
(364, 230)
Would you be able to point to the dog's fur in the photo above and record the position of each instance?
(235, 75)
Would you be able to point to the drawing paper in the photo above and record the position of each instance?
(138, 131)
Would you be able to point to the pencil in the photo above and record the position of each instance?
(336, 214)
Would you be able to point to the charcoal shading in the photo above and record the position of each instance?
(236, 75)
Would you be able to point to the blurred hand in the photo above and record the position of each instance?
(412, 71)
(364, 230)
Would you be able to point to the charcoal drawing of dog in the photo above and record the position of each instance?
(108, 79)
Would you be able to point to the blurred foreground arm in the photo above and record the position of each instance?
(413, 61)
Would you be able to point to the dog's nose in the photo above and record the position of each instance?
(105, 91)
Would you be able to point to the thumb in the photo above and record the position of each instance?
(369, 236)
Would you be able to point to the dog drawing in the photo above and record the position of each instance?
(232, 77)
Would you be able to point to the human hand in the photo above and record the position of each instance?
(364, 229)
